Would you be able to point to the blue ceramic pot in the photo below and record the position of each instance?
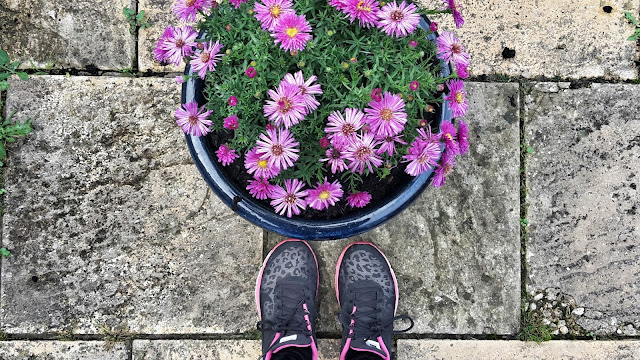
(298, 228)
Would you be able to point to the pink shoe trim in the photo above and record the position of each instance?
(347, 346)
(264, 264)
(393, 274)
(269, 354)
(384, 347)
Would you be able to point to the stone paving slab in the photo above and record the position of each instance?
(160, 15)
(216, 349)
(582, 181)
(564, 38)
(77, 34)
(62, 350)
(509, 350)
(109, 222)
(456, 251)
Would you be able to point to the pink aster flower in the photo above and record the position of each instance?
(423, 123)
(187, 10)
(366, 11)
(271, 11)
(192, 120)
(387, 117)
(389, 144)
(178, 44)
(433, 27)
(207, 59)
(226, 155)
(231, 122)
(259, 167)
(450, 138)
(450, 48)
(455, 10)
(232, 101)
(414, 85)
(308, 89)
(423, 155)
(457, 98)
(342, 129)
(286, 106)
(335, 157)
(398, 20)
(461, 70)
(324, 142)
(442, 171)
(260, 188)
(324, 195)
(237, 3)
(359, 199)
(362, 153)
(463, 137)
(289, 200)
(251, 72)
(338, 4)
(292, 32)
(376, 94)
(179, 79)
(413, 43)
(278, 148)
(160, 51)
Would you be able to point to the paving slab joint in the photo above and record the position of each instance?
(532, 327)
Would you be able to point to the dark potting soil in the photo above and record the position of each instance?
(380, 190)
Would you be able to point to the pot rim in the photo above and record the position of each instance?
(298, 228)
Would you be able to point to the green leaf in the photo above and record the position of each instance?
(3, 153)
(140, 16)
(23, 76)
(530, 150)
(631, 18)
(4, 57)
(4, 252)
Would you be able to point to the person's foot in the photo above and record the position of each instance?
(367, 293)
(286, 293)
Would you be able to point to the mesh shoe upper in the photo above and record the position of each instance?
(285, 293)
(367, 291)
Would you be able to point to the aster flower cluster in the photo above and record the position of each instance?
(288, 29)
(310, 113)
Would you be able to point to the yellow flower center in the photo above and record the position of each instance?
(459, 97)
(386, 114)
(324, 195)
(275, 11)
(362, 6)
(449, 137)
(291, 32)
(263, 164)
(190, 3)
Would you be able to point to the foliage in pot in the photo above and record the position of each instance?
(321, 108)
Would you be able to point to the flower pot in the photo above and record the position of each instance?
(235, 196)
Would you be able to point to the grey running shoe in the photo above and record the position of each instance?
(286, 292)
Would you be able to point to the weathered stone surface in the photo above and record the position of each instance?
(160, 14)
(77, 34)
(216, 349)
(109, 221)
(583, 200)
(565, 38)
(456, 250)
(61, 350)
(509, 350)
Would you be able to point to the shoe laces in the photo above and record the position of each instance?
(290, 298)
(365, 322)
